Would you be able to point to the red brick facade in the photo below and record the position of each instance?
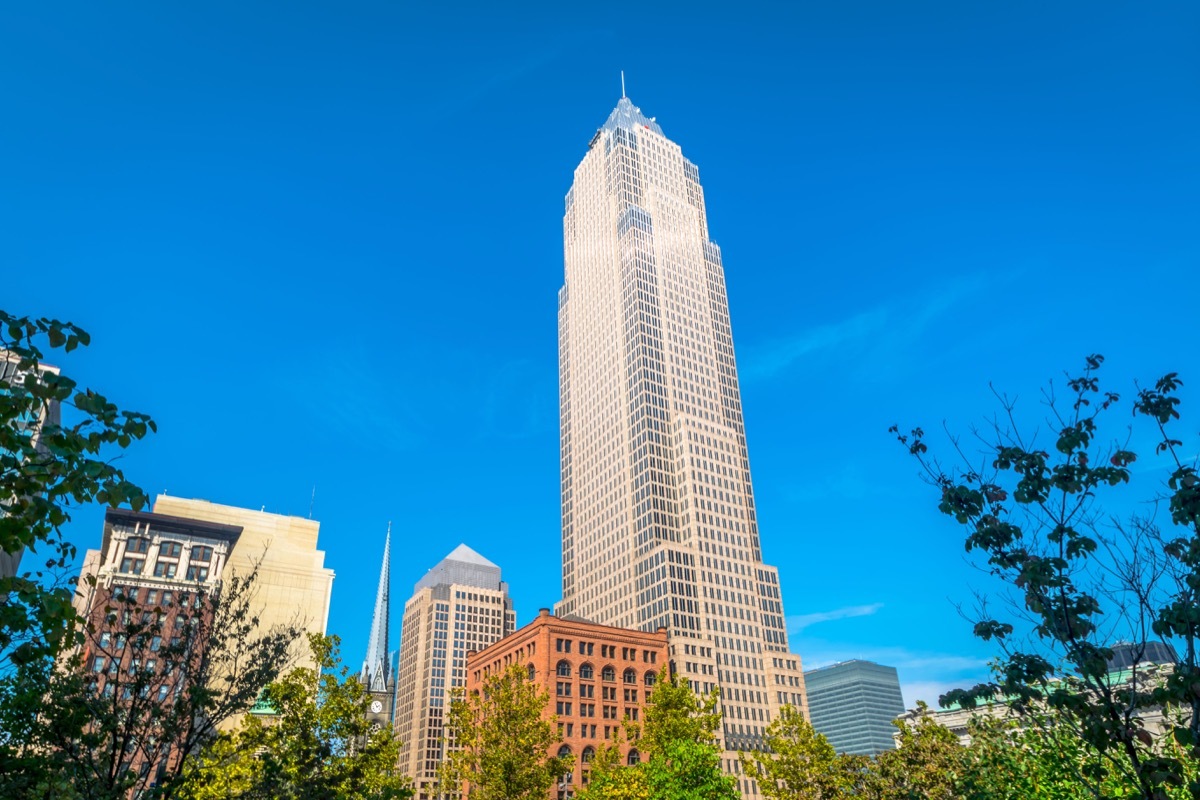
(596, 676)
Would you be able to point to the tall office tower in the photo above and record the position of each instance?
(658, 519)
(293, 585)
(376, 673)
(460, 606)
(852, 704)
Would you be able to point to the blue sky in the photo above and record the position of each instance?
(321, 243)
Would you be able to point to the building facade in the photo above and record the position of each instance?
(594, 676)
(148, 611)
(294, 585)
(658, 516)
(376, 675)
(460, 605)
(853, 703)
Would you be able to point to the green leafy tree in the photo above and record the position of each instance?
(677, 738)
(498, 741)
(157, 686)
(801, 763)
(927, 764)
(318, 745)
(1035, 515)
(48, 468)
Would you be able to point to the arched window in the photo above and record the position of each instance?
(585, 671)
(630, 675)
(650, 678)
(532, 672)
(633, 758)
(565, 750)
(587, 755)
(608, 674)
(564, 669)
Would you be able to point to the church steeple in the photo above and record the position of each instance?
(377, 668)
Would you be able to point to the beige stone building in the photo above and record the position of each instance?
(658, 516)
(294, 585)
(459, 606)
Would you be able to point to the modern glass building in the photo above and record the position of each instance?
(853, 703)
(658, 517)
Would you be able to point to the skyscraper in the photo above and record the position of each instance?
(658, 518)
(853, 703)
(376, 673)
(461, 605)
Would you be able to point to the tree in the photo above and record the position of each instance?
(928, 762)
(158, 684)
(318, 745)
(48, 468)
(678, 739)
(498, 742)
(800, 763)
(1081, 577)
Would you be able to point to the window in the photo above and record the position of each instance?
(586, 648)
(564, 751)
(532, 672)
(195, 573)
(630, 676)
(562, 645)
(631, 696)
(170, 549)
(152, 596)
(132, 566)
(564, 669)
(165, 569)
(155, 643)
(651, 678)
(633, 758)
(562, 709)
(587, 755)
(585, 672)
(98, 664)
(563, 689)
(137, 545)
(608, 674)
(203, 553)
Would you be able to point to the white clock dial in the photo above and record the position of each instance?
(376, 707)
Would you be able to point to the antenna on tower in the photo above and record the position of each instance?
(622, 83)
(312, 500)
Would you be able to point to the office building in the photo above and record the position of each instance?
(594, 676)
(658, 515)
(459, 606)
(145, 594)
(294, 585)
(853, 703)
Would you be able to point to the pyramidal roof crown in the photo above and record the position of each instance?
(628, 116)
(468, 556)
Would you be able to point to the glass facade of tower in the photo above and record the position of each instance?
(852, 704)
(658, 519)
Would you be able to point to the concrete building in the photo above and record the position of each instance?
(461, 605)
(658, 515)
(294, 585)
(595, 677)
(376, 674)
(853, 703)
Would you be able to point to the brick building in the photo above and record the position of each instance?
(596, 676)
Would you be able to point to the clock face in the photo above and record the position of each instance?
(376, 707)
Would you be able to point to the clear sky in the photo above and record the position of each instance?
(321, 243)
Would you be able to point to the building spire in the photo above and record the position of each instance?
(377, 668)
(622, 83)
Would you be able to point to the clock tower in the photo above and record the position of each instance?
(377, 675)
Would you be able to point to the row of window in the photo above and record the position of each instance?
(586, 672)
(139, 544)
(606, 651)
